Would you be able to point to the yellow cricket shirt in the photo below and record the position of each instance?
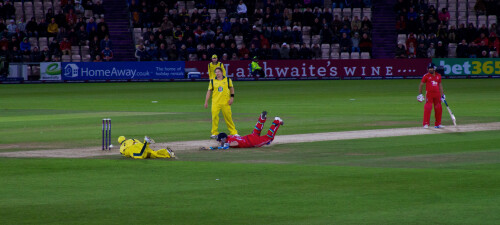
(220, 90)
(211, 69)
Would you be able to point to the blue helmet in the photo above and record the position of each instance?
(431, 65)
(221, 136)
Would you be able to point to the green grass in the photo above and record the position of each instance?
(64, 115)
(318, 183)
(448, 178)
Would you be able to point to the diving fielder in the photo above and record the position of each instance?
(223, 95)
(253, 140)
(137, 150)
(434, 95)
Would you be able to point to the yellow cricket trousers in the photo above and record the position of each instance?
(226, 112)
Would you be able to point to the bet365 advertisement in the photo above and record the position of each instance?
(472, 68)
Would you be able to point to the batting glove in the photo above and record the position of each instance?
(420, 98)
(443, 98)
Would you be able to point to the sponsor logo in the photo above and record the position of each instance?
(53, 69)
(71, 70)
(220, 89)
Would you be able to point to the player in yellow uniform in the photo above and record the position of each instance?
(137, 150)
(222, 99)
(214, 64)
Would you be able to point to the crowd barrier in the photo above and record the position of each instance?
(240, 70)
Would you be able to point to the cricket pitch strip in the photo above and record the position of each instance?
(280, 139)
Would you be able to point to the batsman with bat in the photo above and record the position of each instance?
(434, 95)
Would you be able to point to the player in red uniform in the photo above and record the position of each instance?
(253, 140)
(434, 95)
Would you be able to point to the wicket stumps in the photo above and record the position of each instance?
(106, 134)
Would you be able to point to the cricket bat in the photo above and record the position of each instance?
(451, 114)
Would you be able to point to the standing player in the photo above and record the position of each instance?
(434, 95)
(253, 140)
(213, 65)
(222, 99)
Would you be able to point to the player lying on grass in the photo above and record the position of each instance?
(137, 150)
(253, 140)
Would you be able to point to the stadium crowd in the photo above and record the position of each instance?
(432, 32)
(64, 29)
(268, 29)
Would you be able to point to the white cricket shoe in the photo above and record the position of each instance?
(279, 119)
(439, 126)
(426, 126)
(213, 137)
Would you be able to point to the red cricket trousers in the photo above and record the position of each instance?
(433, 98)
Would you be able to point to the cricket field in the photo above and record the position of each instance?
(435, 178)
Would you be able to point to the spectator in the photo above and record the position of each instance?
(107, 54)
(463, 49)
(11, 28)
(444, 16)
(294, 52)
(241, 9)
(21, 25)
(94, 47)
(45, 54)
(82, 35)
(140, 53)
(345, 43)
(484, 54)
(401, 25)
(98, 9)
(173, 54)
(65, 46)
(32, 28)
(162, 53)
(91, 24)
(284, 51)
(275, 52)
(366, 22)
(431, 51)
(339, 4)
(42, 28)
(106, 43)
(79, 10)
(16, 55)
(242, 51)
(234, 57)
(480, 7)
(54, 48)
(365, 44)
(25, 47)
(296, 35)
(49, 15)
(71, 16)
(355, 43)
(411, 52)
(473, 50)
(326, 35)
(316, 51)
(452, 35)
(35, 56)
(401, 51)
(356, 22)
(421, 51)
(305, 52)
(52, 28)
(97, 58)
